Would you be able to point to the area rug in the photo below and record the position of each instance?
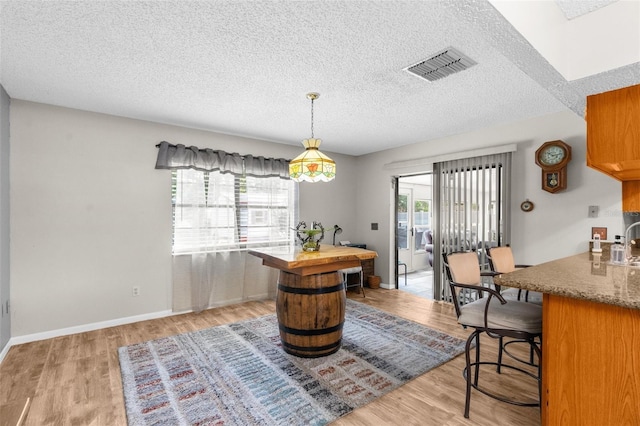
(238, 374)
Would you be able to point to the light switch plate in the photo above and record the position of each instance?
(593, 211)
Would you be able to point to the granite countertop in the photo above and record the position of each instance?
(585, 276)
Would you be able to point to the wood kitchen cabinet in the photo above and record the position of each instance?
(631, 195)
(590, 363)
(613, 133)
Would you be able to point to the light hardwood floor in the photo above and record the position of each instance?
(75, 380)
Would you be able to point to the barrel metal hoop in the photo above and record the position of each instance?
(320, 290)
(335, 345)
(314, 332)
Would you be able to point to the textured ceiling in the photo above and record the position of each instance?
(244, 67)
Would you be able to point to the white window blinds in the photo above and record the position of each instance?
(215, 211)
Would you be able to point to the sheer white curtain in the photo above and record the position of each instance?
(217, 216)
(204, 280)
(204, 220)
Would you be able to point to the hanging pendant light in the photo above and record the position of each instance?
(312, 165)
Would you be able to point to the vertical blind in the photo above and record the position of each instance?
(473, 199)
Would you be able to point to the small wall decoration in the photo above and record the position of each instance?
(527, 206)
(600, 231)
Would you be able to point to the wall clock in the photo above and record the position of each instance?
(553, 157)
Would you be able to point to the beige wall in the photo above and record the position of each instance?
(5, 317)
(91, 217)
(557, 227)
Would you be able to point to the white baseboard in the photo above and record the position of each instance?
(27, 338)
(387, 286)
(5, 350)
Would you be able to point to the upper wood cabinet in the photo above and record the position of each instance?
(613, 133)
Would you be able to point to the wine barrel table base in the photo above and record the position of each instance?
(310, 312)
(311, 301)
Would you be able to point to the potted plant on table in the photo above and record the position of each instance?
(310, 238)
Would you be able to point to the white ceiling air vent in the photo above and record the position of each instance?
(441, 65)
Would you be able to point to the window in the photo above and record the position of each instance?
(214, 211)
(422, 222)
(403, 222)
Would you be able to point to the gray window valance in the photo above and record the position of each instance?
(182, 157)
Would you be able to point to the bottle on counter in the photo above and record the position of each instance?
(596, 244)
(618, 252)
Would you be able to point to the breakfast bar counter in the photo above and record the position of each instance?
(584, 276)
(591, 339)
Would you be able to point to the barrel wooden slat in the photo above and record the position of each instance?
(310, 313)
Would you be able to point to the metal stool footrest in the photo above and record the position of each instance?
(531, 360)
(499, 397)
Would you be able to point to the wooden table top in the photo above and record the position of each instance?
(327, 259)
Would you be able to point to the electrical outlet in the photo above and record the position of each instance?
(136, 291)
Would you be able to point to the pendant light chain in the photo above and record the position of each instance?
(312, 118)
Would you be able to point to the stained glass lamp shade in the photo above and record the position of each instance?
(312, 165)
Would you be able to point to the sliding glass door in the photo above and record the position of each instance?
(472, 197)
(414, 221)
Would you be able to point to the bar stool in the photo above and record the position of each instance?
(494, 316)
(348, 271)
(501, 261)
